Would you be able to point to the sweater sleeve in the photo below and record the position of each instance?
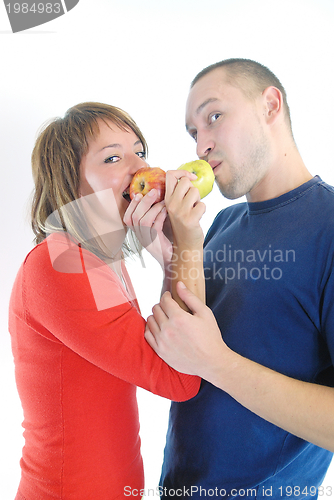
(84, 306)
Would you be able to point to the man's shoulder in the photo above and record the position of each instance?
(232, 211)
(229, 213)
(328, 189)
(225, 218)
(321, 202)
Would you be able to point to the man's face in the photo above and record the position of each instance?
(230, 132)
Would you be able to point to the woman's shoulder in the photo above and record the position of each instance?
(60, 267)
(58, 252)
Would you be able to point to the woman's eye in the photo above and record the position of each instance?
(111, 159)
(141, 154)
(214, 117)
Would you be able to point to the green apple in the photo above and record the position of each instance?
(205, 175)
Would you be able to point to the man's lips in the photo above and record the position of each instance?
(214, 164)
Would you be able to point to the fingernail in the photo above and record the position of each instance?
(138, 196)
(181, 284)
(152, 192)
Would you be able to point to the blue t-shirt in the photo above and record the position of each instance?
(270, 284)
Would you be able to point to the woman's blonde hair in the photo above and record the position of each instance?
(56, 159)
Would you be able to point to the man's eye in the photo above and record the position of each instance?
(194, 136)
(214, 117)
(111, 159)
(141, 154)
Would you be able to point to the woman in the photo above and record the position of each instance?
(77, 333)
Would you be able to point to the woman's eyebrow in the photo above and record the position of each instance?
(111, 146)
(119, 145)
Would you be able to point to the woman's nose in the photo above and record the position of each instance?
(137, 163)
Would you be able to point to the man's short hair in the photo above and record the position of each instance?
(250, 76)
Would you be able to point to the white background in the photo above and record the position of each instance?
(141, 55)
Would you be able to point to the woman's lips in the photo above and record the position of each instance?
(126, 194)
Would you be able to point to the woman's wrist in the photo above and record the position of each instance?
(167, 278)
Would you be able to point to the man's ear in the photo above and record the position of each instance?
(273, 104)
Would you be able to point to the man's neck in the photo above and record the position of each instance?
(287, 173)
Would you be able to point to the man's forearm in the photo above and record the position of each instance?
(301, 408)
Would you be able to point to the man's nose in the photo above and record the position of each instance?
(204, 145)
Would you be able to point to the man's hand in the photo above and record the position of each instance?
(193, 344)
(187, 342)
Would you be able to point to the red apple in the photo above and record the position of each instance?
(148, 178)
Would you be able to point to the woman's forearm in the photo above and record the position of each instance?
(185, 211)
(187, 266)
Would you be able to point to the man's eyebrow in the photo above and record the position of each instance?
(201, 106)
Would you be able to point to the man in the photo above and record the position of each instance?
(263, 421)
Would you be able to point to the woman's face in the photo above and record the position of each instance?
(112, 159)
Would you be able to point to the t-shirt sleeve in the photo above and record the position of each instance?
(327, 310)
(84, 306)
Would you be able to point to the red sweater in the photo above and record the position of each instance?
(79, 351)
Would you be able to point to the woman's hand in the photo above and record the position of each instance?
(150, 221)
(147, 219)
(184, 209)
